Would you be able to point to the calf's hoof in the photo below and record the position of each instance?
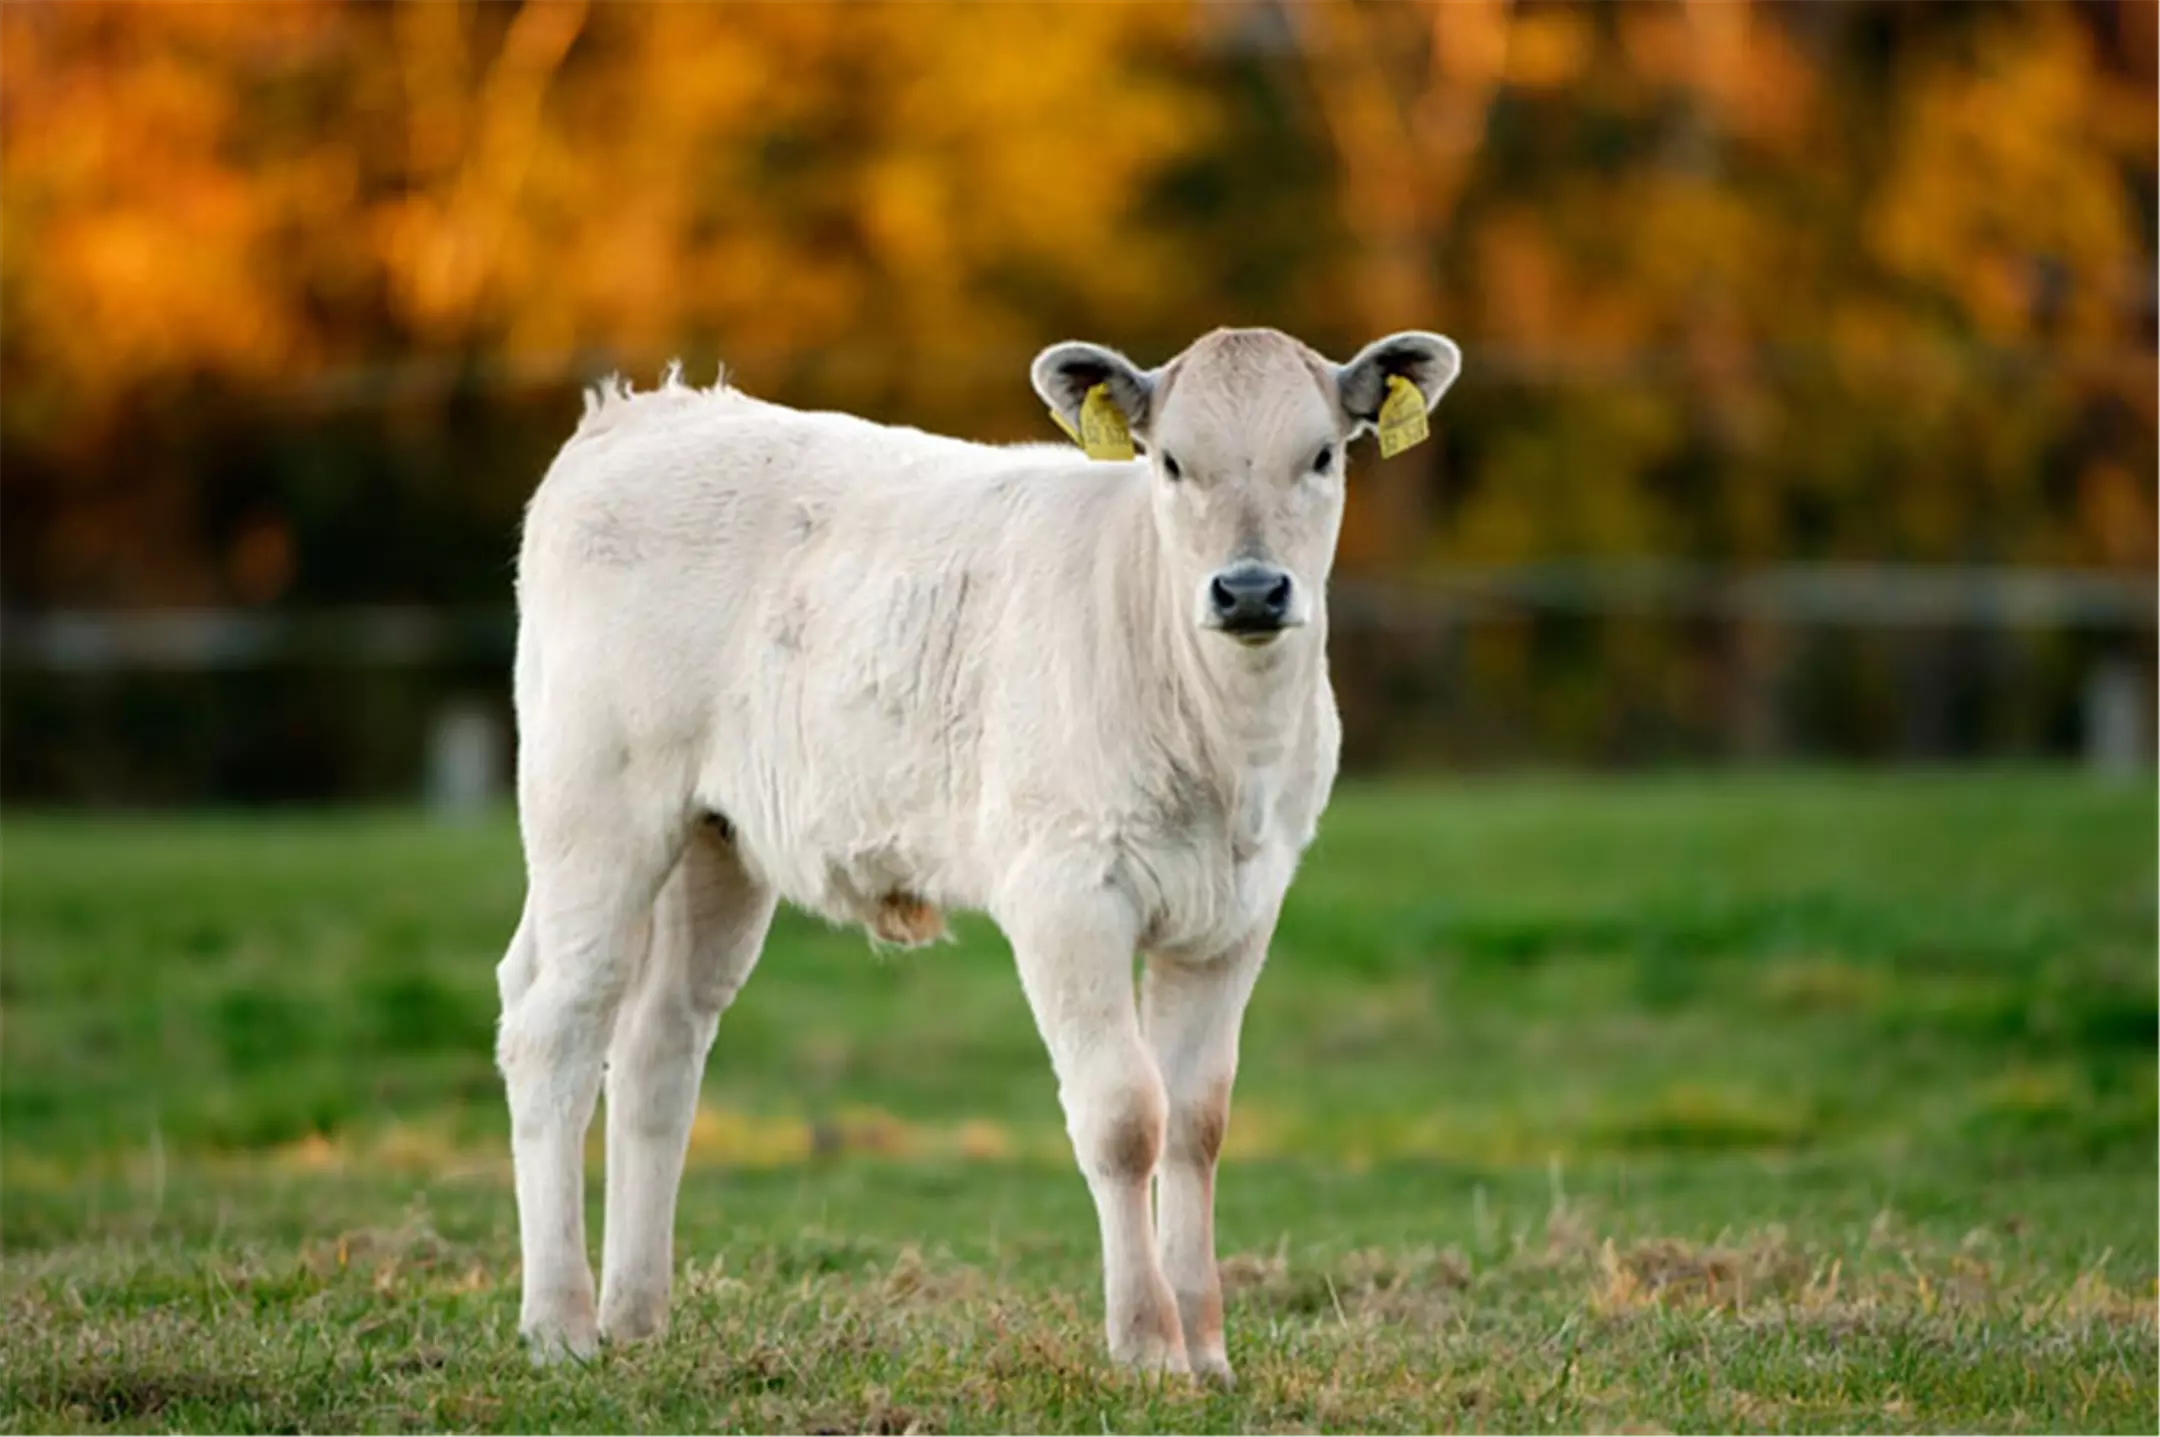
(1154, 1363)
(633, 1316)
(560, 1330)
(1214, 1369)
(1153, 1352)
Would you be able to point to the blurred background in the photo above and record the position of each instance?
(1809, 408)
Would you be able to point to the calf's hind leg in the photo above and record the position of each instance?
(709, 924)
(593, 871)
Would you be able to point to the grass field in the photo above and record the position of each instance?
(1808, 1102)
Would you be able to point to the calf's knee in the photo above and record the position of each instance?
(1120, 1138)
(1198, 1126)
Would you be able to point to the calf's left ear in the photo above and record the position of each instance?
(1429, 361)
(1064, 373)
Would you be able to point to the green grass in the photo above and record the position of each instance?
(1810, 1102)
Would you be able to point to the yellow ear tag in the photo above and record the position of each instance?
(1102, 427)
(1402, 417)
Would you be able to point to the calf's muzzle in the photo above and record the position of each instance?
(1250, 600)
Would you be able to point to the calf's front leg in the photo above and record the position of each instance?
(1075, 954)
(1191, 1013)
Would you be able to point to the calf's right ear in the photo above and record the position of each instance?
(1064, 373)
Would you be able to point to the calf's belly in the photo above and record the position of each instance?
(852, 853)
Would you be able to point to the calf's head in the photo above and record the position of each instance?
(1245, 433)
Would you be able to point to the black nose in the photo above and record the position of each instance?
(1251, 598)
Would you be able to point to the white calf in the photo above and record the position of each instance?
(765, 653)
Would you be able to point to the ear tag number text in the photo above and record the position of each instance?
(1402, 417)
(1102, 431)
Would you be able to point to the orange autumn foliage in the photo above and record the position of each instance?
(1735, 280)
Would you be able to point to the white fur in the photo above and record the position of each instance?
(910, 673)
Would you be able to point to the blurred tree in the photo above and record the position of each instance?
(875, 205)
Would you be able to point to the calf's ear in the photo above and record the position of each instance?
(1064, 373)
(1429, 361)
